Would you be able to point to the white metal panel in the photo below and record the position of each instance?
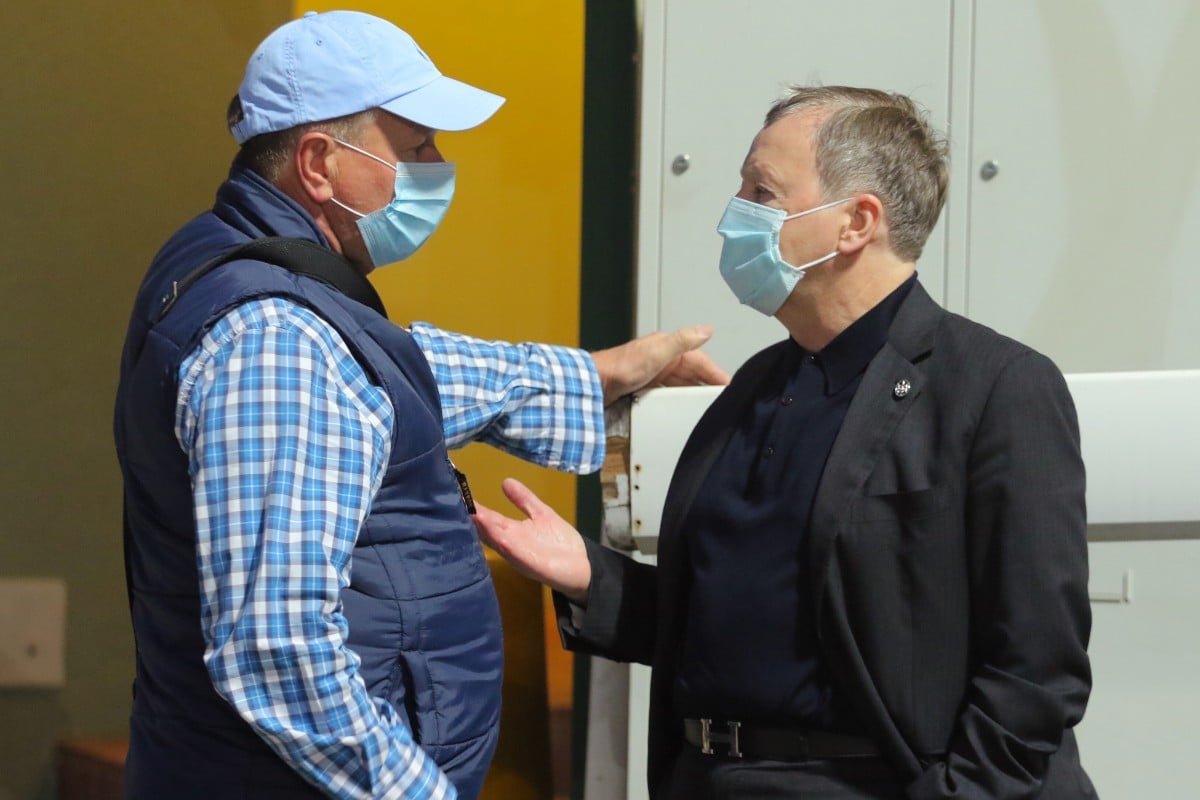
(1141, 445)
(1084, 245)
(1139, 737)
(704, 95)
(607, 747)
(660, 422)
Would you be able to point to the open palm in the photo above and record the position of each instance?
(544, 546)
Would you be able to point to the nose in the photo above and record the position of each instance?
(745, 190)
(429, 154)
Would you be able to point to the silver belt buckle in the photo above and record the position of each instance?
(708, 736)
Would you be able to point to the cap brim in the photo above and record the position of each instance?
(445, 104)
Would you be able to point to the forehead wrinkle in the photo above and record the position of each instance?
(754, 168)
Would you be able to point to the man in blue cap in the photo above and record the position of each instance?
(312, 609)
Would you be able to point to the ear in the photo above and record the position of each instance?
(866, 224)
(315, 161)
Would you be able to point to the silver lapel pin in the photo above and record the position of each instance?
(901, 388)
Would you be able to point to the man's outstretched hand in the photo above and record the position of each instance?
(658, 359)
(544, 547)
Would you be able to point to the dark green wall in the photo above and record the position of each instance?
(606, 274)
(112, 135)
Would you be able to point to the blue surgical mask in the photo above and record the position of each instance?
(750, 259)
(420, 199)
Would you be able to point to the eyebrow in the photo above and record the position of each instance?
(753, 171)
(421, 136)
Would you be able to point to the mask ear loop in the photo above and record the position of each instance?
(822, 259)
(811, 264)
(342, 205)
(387, 164)
(372, 156)
(818, 208)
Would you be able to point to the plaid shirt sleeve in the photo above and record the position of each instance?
(287, 442)
(539, 402)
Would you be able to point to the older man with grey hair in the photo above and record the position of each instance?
(872, 565)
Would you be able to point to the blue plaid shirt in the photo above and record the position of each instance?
(287, 443)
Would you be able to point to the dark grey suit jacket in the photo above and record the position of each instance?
(949, 551)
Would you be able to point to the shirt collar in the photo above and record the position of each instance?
(852, 349)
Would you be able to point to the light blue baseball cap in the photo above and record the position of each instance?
(323, 66)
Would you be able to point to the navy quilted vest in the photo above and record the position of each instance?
(421, 606)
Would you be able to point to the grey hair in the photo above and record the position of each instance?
(268, 153)
(881, 143)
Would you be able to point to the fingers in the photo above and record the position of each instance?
(657, 358)
(491, 525)
(709, 373)
(524, 499)
(686, 339)
(694, 369)
(543, 547)
(690, 366)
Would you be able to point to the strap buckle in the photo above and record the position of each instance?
(708, 737)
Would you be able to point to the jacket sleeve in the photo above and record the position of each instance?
(619, 622)
(1030, 619)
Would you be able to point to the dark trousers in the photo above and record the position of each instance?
(696, 776)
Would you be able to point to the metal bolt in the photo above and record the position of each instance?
(989, 170)
(681, 163)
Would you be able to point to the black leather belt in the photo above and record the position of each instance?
(742, 740)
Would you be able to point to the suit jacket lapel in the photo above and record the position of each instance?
(893, 381)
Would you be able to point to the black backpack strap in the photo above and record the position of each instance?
(295, 255)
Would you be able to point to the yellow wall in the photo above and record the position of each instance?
(505, 264)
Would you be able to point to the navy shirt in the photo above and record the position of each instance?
(749, 647)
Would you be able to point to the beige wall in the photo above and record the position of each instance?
(112, 136)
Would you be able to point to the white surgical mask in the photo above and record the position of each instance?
(419, 201)
(751, 263)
